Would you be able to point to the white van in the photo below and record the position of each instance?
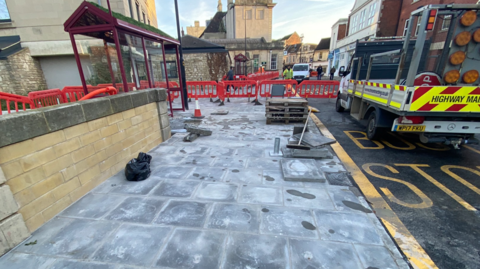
(301, 72)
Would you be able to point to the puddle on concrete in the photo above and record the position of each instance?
(269, 178)
(264, 210)
(301, 194)
(307, 225)
(356, 206)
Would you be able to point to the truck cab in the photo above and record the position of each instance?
(429, 86)
(301, 72)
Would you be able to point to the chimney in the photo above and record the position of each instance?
(197, 24)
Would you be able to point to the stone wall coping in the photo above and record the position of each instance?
(17, 127)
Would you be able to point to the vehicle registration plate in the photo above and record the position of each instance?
(410, 128)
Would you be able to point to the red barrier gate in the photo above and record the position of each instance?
(7, 98)
(73, 93)
(318, 89)
(265, 87)
(46, 98)
(202, 89)
(240, 88)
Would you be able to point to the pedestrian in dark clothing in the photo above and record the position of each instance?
(229, 77)
(319, 72)
(332, 72)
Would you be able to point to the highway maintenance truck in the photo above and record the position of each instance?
(435, 90)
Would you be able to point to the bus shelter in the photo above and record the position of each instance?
(114, 50)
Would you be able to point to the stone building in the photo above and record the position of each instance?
(196, 30)
(320, 55)
(48, 50)
(292, 39)
(339, 31)
(299, 53)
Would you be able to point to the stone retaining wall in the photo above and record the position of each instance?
(52, 156)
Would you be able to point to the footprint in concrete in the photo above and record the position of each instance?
(302, 194)
(356, 206)
(235, 171)
(246, 210)
(183, 151)
(269, 178)
(264, 210)
(307, 225)
(331, 231)
(196, 175)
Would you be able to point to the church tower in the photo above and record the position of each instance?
(219, 7)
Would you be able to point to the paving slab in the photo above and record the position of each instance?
(375, 257)
(183, 213)
(93, 206)
(192, 249)
(215, 152)
(288, 222)
(264, 163)
(62, 264)
(323, 254)
(230, 162)
(176, 188)
(347, 227)
(123, 186)
(275, 178)
(255, 251)
(197, 161)
(244, 176)
(207, 173)
(235, 217)
(314, 140)
(172, 172)
(261, 195)
(136, 209)
(307, 198)
(304, 170)
(23, 261)
(132, 244)
(217, 192)
(345, 200)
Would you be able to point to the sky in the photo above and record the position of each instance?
(312, 18)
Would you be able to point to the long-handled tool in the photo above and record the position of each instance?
(299, 146)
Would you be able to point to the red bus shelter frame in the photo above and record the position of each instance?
(89, 20)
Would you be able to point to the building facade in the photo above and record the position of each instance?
(292, 39)
(320, 55)
(39, 24)
(196, 30)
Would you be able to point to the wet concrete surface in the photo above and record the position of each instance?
(219, 202)
(447, 230)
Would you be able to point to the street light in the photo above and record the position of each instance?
(182, 62)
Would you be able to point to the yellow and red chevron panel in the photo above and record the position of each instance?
(446, 98)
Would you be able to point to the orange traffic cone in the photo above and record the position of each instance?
(198, 113)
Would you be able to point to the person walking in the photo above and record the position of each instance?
(229, 77)
(319, 72)
(332, 72)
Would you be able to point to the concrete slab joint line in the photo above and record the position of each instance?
(404, 239)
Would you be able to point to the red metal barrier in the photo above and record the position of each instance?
(240, 88)
(47, 98)
(7, 98)
(235, 77)
(73, 93)
(202, 89)
(265, 87)
(318, 89)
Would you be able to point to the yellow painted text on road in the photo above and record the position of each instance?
(447, 169)
(426, 202)
(357, 140)
(409, 146)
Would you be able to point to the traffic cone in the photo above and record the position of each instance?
(198, 113)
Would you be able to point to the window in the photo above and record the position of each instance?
(138, 11)
(144, 18)
(131, 8)
(353, 24)
(405, 30)
(171, 70)
(273, 62)
(4, 14)
(361, 20)
(371, 13)
(419, 21)
(248, 14)
(446, 22)
(260, 14)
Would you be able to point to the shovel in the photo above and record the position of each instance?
(302, 147)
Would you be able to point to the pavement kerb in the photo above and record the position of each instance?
(404, 239)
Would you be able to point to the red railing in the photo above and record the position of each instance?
(240, 88)
(318, 89)
(73, 93)
(46, 98)
(202, 89)
(265, 87)
(8, 98)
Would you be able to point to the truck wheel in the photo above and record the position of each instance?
(338, 106)
(374, 132)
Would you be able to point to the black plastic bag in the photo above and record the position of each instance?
(138, 169)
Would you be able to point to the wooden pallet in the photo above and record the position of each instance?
(293, 109)
(286, 102)
(294, 115)
(285, 120)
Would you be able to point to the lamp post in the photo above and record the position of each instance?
(182, 62)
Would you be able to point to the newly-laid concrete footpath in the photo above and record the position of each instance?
(218, 202)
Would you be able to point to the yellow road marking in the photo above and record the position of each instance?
(410, 146)
(426, 202)
(472, 149)
(355, 140)
(444, 148)
(446, 169)
(457, 198)
(405, 240)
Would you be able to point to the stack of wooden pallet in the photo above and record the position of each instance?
(278, 110)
